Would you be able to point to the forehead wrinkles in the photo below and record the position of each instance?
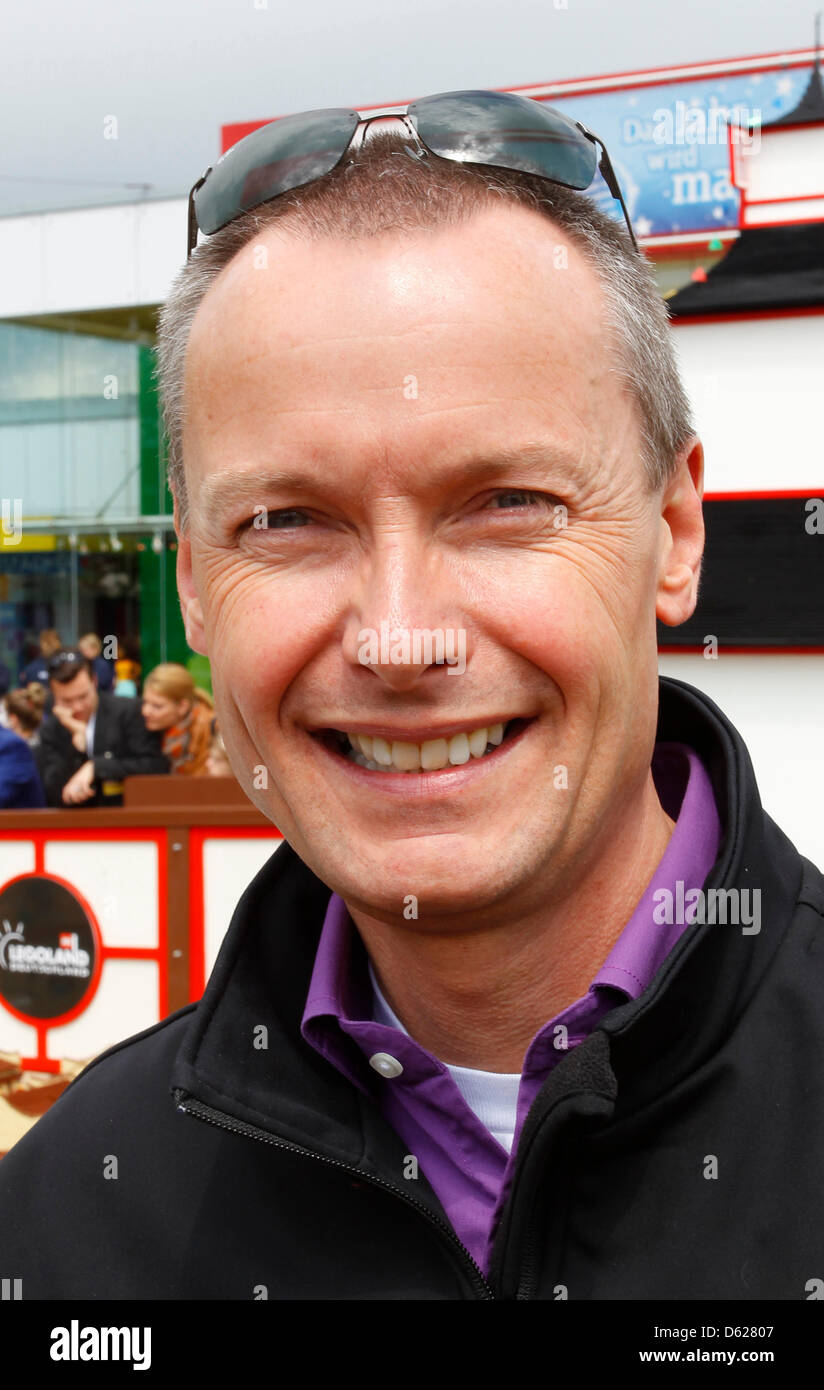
(494, 382)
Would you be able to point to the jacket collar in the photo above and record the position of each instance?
(243, 1052)
(705, 984)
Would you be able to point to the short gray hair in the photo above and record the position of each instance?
(382, 191)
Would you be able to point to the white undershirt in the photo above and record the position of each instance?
(90, 734)
(493, 1095)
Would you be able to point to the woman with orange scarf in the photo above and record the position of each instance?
(184, 712)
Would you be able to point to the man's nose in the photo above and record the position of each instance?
(398, 609)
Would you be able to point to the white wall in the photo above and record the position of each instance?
(777, 705)
(756, 387)
(91, 258)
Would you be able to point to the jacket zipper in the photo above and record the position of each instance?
(217, 1117)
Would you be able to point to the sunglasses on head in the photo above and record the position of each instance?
(498, 129)
(64, 659)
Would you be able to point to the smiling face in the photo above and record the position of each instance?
(416, 434)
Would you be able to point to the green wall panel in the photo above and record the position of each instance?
(162, 636)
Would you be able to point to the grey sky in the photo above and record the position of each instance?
(174, 71)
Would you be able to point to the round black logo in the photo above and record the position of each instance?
(48, 948)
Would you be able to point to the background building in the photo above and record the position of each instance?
(81, 449)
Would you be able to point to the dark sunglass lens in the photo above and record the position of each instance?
(281, 155)
(514, 132)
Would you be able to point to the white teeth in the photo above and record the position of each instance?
(406, 756)
(400, 756)
(434, 754)
(459, 750)
(381, 752)
(477, 742)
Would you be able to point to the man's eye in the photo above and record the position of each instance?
(279, 520)
(503, 499)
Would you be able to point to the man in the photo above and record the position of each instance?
(92, 740)
(460, 1042)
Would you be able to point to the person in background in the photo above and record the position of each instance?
(24, 711)
(37, 670)
(92, 742)
(20, 784)
(217, 763)
(91, 647)
(184, 713)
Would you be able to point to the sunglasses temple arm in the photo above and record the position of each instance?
(614, 187)
(191, 239)
(191, 242)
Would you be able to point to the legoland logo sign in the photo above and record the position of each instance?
(49, 949)
(67, 959)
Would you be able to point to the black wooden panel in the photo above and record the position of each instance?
(762, 583)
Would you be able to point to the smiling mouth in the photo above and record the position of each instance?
(434, 755)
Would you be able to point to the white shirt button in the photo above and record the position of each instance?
(386, 1064)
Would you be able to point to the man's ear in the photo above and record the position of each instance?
(189, 602)
(682, 538)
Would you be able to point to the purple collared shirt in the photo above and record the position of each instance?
(464, 1163)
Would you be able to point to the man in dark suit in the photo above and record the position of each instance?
(92, 740)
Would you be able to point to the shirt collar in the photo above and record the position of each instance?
(691, 852)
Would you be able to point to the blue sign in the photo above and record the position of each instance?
(669, 144)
